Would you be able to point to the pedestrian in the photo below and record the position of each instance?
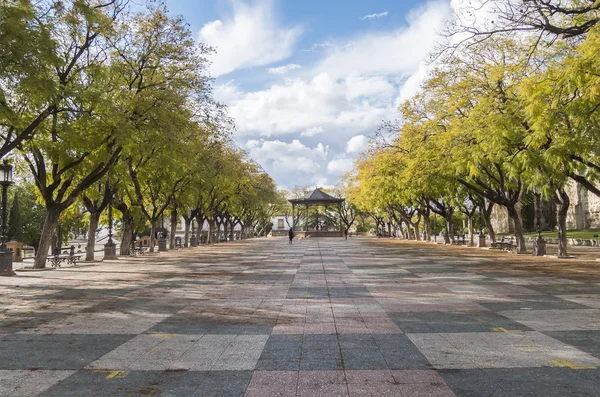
(346, 234)
(291, 235)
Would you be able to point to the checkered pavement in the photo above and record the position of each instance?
(323, 317)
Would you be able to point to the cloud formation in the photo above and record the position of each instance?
(283, 69)
(374, 16)
(249, 37)
(357, 144)
(309, 126)
(293, 162)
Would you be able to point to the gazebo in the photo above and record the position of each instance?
(317, 197)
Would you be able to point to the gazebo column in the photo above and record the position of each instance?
(340, 216)
(293, 206)
(306, 217)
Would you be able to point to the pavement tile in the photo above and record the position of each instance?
(29, 382)
(55, 352)
(324, 317)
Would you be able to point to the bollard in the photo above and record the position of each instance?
(482, 240)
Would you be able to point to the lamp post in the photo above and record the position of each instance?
(6, 179)
(162, 241)
(110, 248)
(539, 246)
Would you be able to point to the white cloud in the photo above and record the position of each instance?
(290, 163)
(312, 131)
(299, 106)
(397, 52)
(249, 37)
(337, 103)
(339, 167)
(374, 16)
(283, 69)
(357, 144)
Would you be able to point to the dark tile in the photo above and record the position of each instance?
(587, 341)
(57, 351)
(224, 383)
(551, 382)
(534, 302)
(566, 289)
(104, 384)
(281, 352)
(400, 353)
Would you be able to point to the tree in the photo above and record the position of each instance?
(32, 212)
(546, 21)
(15, 221)
(95, 200)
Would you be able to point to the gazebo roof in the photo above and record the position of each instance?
(317, 197)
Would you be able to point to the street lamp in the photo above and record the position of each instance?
(6, 179)
(540, 244)
(110, 248)
(162, 241)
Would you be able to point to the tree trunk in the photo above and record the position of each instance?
(516, 218)
(427, 226)
(231, 232)
(562, 207)
(127, 237)
(46, 237)
(471, 232)
(487, 217)
(211, 231)
(152, 236)
(225, 230)
(449, 234)
(186, 231)
(415, 228)
(173, 229)
(91, 238)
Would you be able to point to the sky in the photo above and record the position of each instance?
(308, 82)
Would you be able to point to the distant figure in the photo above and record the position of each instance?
(291, 235)
(346, 234)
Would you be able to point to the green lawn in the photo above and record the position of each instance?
(585, 234)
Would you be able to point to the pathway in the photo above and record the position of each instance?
(323, 317)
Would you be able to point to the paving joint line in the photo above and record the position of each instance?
(337, 335)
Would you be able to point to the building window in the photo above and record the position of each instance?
(279, 223)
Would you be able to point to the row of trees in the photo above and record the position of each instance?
(500, 116)
(100, 104)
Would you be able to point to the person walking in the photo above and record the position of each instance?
(291, 234)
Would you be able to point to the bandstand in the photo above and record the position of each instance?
(316, 198)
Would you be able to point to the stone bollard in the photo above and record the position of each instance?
(110, 251)
(481, 240)
(6, 264)
(162, 244)
(539, 247)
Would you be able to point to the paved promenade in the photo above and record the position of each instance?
(324, 317)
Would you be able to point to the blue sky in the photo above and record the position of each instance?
(307, 82)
